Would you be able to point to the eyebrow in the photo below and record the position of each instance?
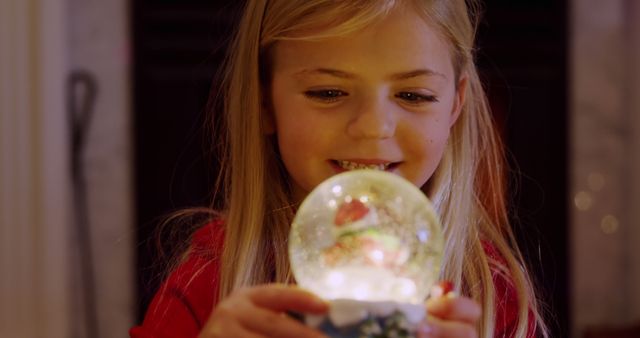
(326, 71)
(416, 73)
(346, 75)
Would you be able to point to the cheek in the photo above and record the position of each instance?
(425, 142)
(427, 136)
(288, 130)
(296, 128)
(284, 106)
(297, 131)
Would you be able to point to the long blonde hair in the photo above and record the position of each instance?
(467, 189)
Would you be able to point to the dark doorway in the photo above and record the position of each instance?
(522, 58)
(178, 45)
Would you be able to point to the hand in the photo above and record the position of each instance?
(259, 311)
(449, 315)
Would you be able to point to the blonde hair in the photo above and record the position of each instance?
(467, 189)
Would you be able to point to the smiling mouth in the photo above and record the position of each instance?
(349, 165)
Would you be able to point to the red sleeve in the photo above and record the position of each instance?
(506, 302)
(184, 302)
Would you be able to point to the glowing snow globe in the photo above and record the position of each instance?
(371, 244)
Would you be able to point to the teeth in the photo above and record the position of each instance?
(352, 165)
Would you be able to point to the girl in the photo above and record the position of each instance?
(316, 87)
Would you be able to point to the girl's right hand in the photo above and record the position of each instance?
(260, 311)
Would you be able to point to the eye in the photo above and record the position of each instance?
(415, 98)
(325, 95)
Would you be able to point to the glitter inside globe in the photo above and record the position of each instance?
(366, 235)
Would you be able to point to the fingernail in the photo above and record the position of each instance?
(321, 303)
(441, 289)
(317, 301)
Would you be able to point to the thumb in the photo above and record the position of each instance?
(280, 297)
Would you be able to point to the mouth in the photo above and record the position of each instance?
(344, 165)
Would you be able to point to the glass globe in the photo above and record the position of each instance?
(366, 235)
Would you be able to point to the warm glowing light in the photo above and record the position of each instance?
(407, 287)
(609, 224)
(335, 279)
(423, 235)
(377, 255)
(352, 239)
(361, 292)
(583, 200)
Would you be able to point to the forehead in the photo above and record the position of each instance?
(400, 41)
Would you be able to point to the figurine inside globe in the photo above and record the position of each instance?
(366, 236)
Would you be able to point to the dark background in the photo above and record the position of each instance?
(522, 58)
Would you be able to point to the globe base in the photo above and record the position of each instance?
(349, 318)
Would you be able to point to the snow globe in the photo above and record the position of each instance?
(370, 243)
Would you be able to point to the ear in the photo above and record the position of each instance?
(458, 100)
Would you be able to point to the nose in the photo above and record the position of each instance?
(374, 119)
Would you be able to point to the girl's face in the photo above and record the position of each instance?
(384, 97)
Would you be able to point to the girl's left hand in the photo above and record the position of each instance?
(450, 316)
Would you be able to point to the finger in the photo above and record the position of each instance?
(287, 298)
(438, 328)
(227, 329)
(454, 308)
(279, 325)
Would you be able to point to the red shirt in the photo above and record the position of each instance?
(184, 302)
